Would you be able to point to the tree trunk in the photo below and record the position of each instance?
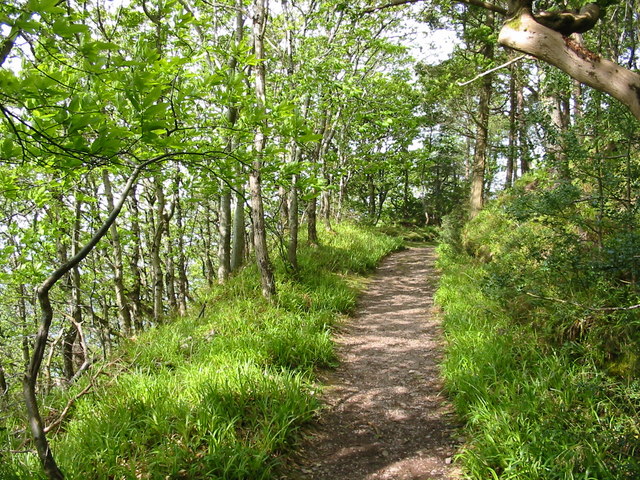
(183, 281)
(239, 233)
(3, 382)
(482, 134)
(156, 250)
(512, 156)
(224, 234)
(525, 34)
(30, 378)
(522, 131)
(124, 314)
(255, 177)
(135, 295)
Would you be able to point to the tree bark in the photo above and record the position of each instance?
(135, 295)
(255, 177)
(224, 234)
(3, 382)
(156, 249)
(525, 34)
(124, 315)
(30, 377)
(239, 233)
(482, 134)
(183, 281)
(512, 156)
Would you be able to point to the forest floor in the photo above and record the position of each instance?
(385, 413)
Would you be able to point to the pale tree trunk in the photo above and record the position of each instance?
(124, 314)
(512, 156)
(312, 203)
(522, 32)
(170, 274)
(135, 295)
(476, 201)
(207, 234)
(156, 250)
(224, 234)
(183, 281)
(170, 254)
(71, 333)
(255, 177)
(556, 143)
(239, 233)
(237, 224)
(522, 131)
(295, 152)
(30, 378)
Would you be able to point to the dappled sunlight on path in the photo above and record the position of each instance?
(386, 416)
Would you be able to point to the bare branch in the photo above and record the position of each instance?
(484, 74)
(586, 307)
(475, 3)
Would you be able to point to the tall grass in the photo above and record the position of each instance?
(533, 409)
(221, 395)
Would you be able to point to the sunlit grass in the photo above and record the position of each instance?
(223, 394)
(533, 411)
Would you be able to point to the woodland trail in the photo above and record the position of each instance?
(386, 416)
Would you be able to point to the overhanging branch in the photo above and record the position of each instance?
(475, 3)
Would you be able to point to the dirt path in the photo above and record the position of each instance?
(386, 417)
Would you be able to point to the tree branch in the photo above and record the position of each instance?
(525, 34)
(483, 74)
(586, 307)
(475, 3)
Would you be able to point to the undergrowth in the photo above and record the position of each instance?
(221, 393)
(532, 366)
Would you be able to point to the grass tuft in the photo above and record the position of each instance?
(222, 395)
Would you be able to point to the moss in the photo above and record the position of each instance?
(513, 23)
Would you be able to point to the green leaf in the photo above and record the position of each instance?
(309, 137)
(63, 28)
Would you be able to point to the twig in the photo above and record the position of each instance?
(70, 403)
(477, 3)
(484, 74)
(575, 304)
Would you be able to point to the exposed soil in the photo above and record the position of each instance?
(386, 416)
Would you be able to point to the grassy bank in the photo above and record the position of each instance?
(221, 393)
(535, 407)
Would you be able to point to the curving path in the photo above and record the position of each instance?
(386, 417)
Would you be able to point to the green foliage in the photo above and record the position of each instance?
(222, 394)
(542, 362)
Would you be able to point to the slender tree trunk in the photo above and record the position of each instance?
(183, 281)
(255, 178)
(522, 131)
(4, 388)
(135, 295)
(232, 234)
(556, 144)
(224, 234)
(170, 275)
(239, 233)
(482, 134)
(71, 334)
(124, 315)
(513, 129)
(312, 222)
(372, 197)
(209, 269)
(156, 250)
(30, 378)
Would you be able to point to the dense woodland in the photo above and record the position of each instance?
(177, 185)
